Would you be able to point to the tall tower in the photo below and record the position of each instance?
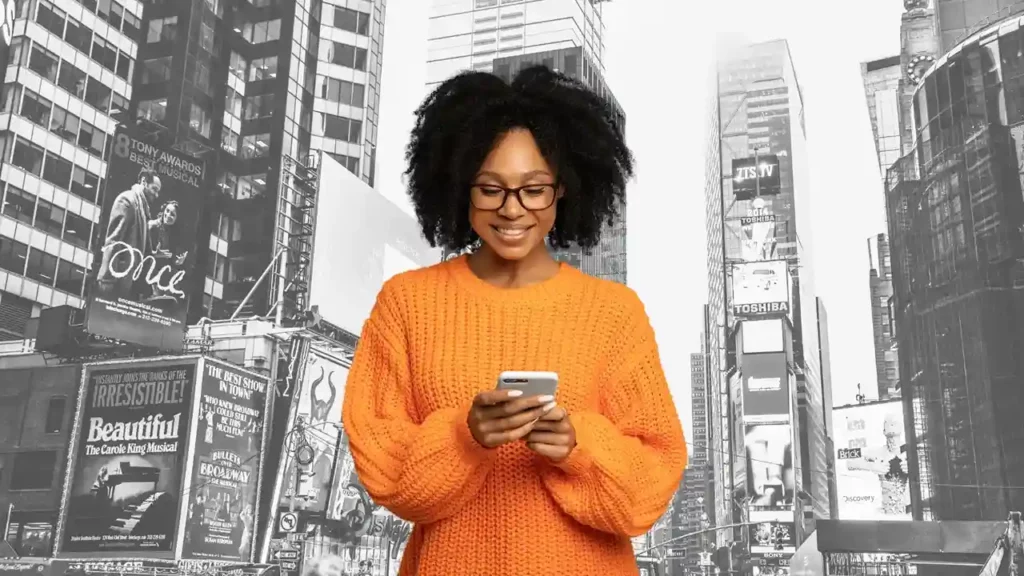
(880, 285)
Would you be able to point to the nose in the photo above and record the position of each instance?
(512, 208)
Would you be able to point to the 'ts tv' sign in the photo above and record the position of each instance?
(756, 176)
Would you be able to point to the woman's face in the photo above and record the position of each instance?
(170, 214)
(510, 229)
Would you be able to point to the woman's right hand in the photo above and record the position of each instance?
(500, 416)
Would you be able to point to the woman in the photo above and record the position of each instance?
(498, 484)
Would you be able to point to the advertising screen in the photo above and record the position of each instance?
(226, 464)
(758, 232)
(127, 457)
(770, 470)
(772, 537)
(317, 431)
(760, 288)
(755, 176)
(765, 387)
(871, 462)
(146, 249)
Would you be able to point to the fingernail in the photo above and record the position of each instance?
(545, 398)
(550, 406)
(515, 393)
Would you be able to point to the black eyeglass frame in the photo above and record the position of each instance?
(515, 191)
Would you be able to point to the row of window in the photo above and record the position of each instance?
(115, 14)
(67, 76)
(240, 188)
(56, 119)
(341, 128)
(345, 55)
(103, 51)
(352, 20)
(51, 167)
(44, 268)
(26, 207)
(343, 92)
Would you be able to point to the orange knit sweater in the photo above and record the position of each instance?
(437, 337)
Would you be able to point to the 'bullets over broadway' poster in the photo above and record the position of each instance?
(126, 474)
(228, 446)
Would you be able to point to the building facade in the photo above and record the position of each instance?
(882, 90)
(880, 286)
(827, 404)
(471, 34)
(37, 403)
(955, 216)
(67, 82)
(957, 19)
(765, 229)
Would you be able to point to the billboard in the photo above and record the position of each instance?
(127, 457)
(146, 253)
(772, 538)
(221, 503)
(366, 240)
(871, 462)
(316, 435)
(765, 387)
(756, 176)
(757, 230)
(770, 470)
(760, 288)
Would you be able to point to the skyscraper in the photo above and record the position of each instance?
(958, 19)
(773, 412)
(67, 82)
(882, 91)
(880, 285)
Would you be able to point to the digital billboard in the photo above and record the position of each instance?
(127, 457)
(756, 176)
(871, 462)
(757, 230)
(146, 250)
(226, 463)
(770, 470)
(760, 288)
(766, 387)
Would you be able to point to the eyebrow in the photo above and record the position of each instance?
(523, 176)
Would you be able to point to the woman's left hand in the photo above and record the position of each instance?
(553, 436)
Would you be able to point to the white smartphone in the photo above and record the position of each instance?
(531, 383)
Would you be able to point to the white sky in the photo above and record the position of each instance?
(657, 58)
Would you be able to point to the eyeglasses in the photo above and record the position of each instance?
(532, 197)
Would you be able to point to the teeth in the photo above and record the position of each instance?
(511, 232)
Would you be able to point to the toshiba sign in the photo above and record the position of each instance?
(761, 309)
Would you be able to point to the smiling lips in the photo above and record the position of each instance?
(512, 233)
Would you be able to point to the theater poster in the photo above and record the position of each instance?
(145, 247)
(127, 457)
(221, 506)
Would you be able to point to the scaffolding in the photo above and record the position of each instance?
(293, 240)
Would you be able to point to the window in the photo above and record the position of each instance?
(349, 162)
(91, 138)
(43, 62)
(260, 32)
(42, 267)
(202, 77)
(206, 36)
(97, 95)
(57, 171)
(118, 105)
(78, 36)
(10, 97)
(19, 205)
(13, 255)
(28, 157)
(229, 140)
(259, 106)
(50, 218)
(132, 27)
(36, 108)
(342, 128)
(351, 20)
(116, 15)
(263, 69)
(237, 66)
(162, 30)
(33, 470)
(153, 110)
(349, 56)
(125, 66)
(104, 53)
(199, 120)
(76, 230)
(343, 91)
(69, 277)
(84, 184)
(55, 410)
(255, 146)
(72, 79)
(50, 17)
(233, 102)
(65, 124)
(251, 186)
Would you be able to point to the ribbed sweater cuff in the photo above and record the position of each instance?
(581, 459)
(471, 450)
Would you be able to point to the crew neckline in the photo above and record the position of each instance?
(539, 292)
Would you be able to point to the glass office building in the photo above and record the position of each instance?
(956, 225)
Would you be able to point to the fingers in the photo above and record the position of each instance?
(499, 437)
(495, 397)
(548, 438)
(556, 415)
(516, 406)
(555, 453)
(545, 425)
(515, 420)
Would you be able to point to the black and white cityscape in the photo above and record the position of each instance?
(206, 196)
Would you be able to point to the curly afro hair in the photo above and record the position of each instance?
(575, 129)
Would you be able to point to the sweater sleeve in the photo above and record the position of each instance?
(422, 471)
(629, 457)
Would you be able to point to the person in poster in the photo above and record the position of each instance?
(317, 428)
(127, 462)
(770, 477)
(226, 466)
(889, 464)
(128, 236)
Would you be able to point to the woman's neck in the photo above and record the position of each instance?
(537, 266)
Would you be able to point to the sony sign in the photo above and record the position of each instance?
(761, 309)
